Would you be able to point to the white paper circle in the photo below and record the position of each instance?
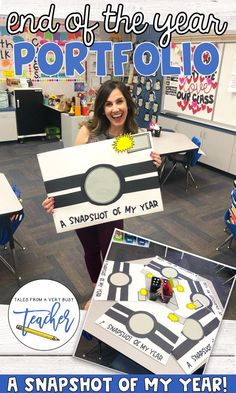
(193, 329)
(43, 315)
(102, 185)
(119, 279)
(169, 272)
(201, 298)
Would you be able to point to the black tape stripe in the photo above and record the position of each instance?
(184, 348)
(112, 292)
(156, 266)
(201, 313)
(124, 292)
(75, 198)
(141, 185)
(198, 290)
(211, 326)
(117, 317)
(73, 181)
(154, 338)
(199, 287)
(166, 332)
(112, 289)
(137, 168)
(122, 308)
(188, 344)
(126, 268)
(64, 183)
(160, 342)
(116, 267)
(69, 199)
(153, 265)
(159, 327)
(192, 286)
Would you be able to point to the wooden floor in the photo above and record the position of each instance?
(192, 221)
(20, 359)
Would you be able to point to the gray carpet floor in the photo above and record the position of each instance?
(192, 221)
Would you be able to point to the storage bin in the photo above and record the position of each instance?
(52, 132)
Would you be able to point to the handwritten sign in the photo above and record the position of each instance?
(97, 182)
(145, 326)
(194, 94)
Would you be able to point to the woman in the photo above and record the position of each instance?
(114, 114)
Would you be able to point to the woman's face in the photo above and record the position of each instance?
(116, 108)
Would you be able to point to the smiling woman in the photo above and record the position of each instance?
(115, 110)
(114, 115)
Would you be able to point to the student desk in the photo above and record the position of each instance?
(172, 142)
(9, 204)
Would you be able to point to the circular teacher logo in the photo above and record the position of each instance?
(43, 315)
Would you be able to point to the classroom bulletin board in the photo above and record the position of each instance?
(32, 70)
(210, 98)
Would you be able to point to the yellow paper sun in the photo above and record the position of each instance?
(180, 288)
(191, 306)
(123, 143)
(143, 292)
(173, 317)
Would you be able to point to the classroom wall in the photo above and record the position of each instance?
(208, 99)
(58, 84)
(148, 101)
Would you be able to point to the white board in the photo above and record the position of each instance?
(193, 95)
(211, 99)
(96, 183)
(224, 111)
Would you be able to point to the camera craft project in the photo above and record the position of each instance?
(100, 182)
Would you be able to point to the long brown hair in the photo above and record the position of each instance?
(99, 124)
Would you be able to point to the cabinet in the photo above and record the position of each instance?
(232, 167)
(8, 131)
(70, 127)
(218, 146)
(52, 117)
(29, 112)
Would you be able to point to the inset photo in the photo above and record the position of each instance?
(155, 308)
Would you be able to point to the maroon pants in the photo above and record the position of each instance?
(95, 241)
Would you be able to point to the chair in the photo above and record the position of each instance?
(229, 222)
(187, 160)
(163, 157)
(15, 221)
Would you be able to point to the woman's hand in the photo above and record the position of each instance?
(48, 204)
(156, 158)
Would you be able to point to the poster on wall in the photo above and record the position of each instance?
(32, 70)
(192, 95)
(92, 186)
